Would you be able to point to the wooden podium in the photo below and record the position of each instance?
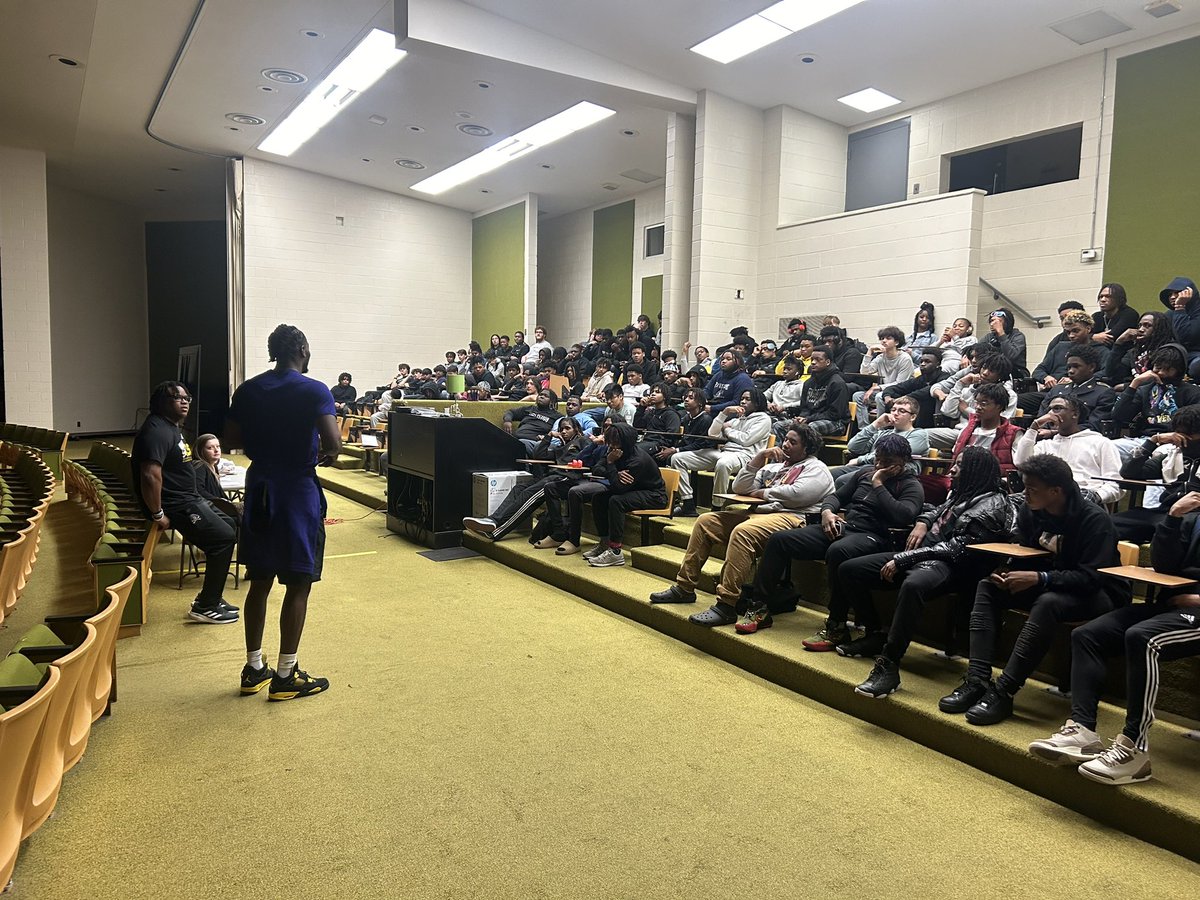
(430, 463)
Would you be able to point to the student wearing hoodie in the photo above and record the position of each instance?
(843, 351)
(1065, 587)
(1004, 337)
(1173, 456)
(1148, 634)
(1091, 456)
(1182, 301)
(744, 429)
(824, 400)
(1152, 398)
(728, 383)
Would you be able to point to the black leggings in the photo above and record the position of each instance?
(1046, 610)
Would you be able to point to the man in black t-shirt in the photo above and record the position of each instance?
(165, 483)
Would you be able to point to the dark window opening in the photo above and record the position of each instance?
(1017, 165)
(655, 236)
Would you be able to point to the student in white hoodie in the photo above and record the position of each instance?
(745, 428)
(1090, 455)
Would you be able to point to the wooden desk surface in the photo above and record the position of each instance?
(1148, 575)
(1016, 551)
(741, 498)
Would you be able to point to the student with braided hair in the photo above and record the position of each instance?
(934, 559)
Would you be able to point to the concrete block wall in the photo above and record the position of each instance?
(390, 284)
(811, 165)
(677, 237)
(25, 270)
(649, 208)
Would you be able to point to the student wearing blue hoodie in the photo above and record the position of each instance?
(728, 384)
(1182, 300)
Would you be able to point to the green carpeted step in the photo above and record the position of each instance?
(1166, 812)
(665, 561)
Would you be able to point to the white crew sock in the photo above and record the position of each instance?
(287, 662)
(254, 658)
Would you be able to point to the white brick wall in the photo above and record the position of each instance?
(725, 216)
(868, 265)
(649, 209)
(24, 243)
(97, 311)
(392, 284)
(677, 260)
(811, 160)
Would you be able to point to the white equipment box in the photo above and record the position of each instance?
(490, 489)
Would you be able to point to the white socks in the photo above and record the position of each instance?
(254, 658)
(287, 662)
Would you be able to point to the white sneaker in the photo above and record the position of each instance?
(593, 552)
(1069, 746)
(479, 526)
(609, 557)
(1121, 763)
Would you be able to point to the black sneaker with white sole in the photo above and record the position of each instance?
(212, 615)
(883, 681)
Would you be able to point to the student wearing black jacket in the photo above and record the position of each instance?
(657, 416)
(872, 500)
(625, 478)
(1115, 316)
(1005, 338)
(1083, 383)
(1172, 456)
(929, 373)
(532, 422)
(1067, 587)
(824, 400)
(696, 423)
(1148, 634)
(1152, 398)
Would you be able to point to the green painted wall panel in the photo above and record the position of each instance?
(612, 265)
(652, 297)
(1154, 187)
(498, 273)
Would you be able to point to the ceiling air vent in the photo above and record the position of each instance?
(609, 186)
(640, 175)
(1093, 26)
(474, 130)
(284, 76)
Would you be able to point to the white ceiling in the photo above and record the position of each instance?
(93, 121)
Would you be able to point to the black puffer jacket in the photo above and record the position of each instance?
(988, 517)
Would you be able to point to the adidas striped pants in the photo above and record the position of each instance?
(1148, 634)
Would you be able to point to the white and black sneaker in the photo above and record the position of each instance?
(480, 525)
(214, 614)
(609, 557)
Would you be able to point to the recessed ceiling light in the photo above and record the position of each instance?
(267, 89)
(244, 119)
(869, 100)
(374, 55)
(309, 33)
(540, 134)
(416, 129)
(630, 132)
(772, 24)
(609, 186)
(474, 130)
(377, 120)
(807, 58)
(547, 166)
(409, 164)
(66, 61)
(483, 84)
(284, 76)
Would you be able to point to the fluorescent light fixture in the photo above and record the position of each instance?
(869, 100)
(577, 117)
(362, 67)
(772, 24)
(795, 15)
(738, 40)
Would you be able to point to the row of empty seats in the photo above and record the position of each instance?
(47, 443)
(26, 486)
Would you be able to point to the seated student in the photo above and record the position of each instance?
(987, 428)
(1129, 355)
(1064, 309)
(797, 330)
(344, 395)
(513, 387)
(647, 366)
(631, 383)
(617, 407)
(572, 371)
(1091, 456)
(401, 379)
(628, 479)
(787, 391)
(891, 364)
(728, 384)
(564, 444)
(1172, 456)
(1146, 406)
(1077, 331)
(545, 372)
(210, 466)
(1115, 316)
(1083, 383)
(762, 366)
(573, 408)
(599, 380)
(898, 421)
(433, 384)
(872, 501)
(929, 373)
(956, 337)
(703, 360)
(960, 397)
(844, 353)
(744, 429)
(384, 406)
(1182, 301)
(532, 422)
(657, 416)
(1147, 633)
(1005, 338)
(696, 423)
(479, 374)
(824, 399)
(934, 559)
(794, 481)
(676, 387)
(1065, 588)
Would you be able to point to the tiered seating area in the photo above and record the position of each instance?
(50, 445)
(104, 484)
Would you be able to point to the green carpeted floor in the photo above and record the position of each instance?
(488, 736)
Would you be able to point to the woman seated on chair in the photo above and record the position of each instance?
(210, 466)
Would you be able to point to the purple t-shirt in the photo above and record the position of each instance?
(278, 412)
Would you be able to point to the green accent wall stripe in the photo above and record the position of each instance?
(652, 297)
(1154, 186)
(612, 265)
(498, 272)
